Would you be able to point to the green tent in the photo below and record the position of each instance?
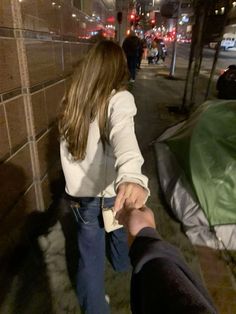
(197, 165)
(205, 146)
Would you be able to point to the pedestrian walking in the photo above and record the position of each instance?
(131, 46)
(142, 46)
(102, 163)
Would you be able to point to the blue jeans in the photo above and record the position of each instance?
(94, 244)
(132, 65)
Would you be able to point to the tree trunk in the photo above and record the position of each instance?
(195, 53)
(202, 9)
(227, 9)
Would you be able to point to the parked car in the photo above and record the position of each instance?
(226, 83)
(228, 41)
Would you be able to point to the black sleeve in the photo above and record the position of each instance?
(161, 280)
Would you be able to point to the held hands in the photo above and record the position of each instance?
(130, 193)
(134, 220)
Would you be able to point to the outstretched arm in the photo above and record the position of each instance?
(130, 184)
(161, 281)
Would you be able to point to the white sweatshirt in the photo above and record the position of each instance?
(100, 173)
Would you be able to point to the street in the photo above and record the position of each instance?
(225, 57)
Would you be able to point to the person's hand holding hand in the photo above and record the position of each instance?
(134, 220)
(130, 193)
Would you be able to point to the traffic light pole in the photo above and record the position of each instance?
(173, 60)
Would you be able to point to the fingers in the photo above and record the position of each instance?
(130, 195)
(124, 193)
(119, 202)
(132, 199)
(123, 215)
(135, 220)
(137, 198)
(120, 198)
(133, 202)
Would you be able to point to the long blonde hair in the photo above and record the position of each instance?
(102, 70)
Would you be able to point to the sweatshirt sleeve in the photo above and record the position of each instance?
(148, 245)
(123, 140)
(159, 266)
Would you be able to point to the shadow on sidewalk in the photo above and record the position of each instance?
(23, 272)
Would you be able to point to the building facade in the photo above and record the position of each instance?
(40, 42)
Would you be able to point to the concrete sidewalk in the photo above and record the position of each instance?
(44, 281)
(154, 93)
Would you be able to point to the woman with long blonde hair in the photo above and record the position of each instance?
(102, 163)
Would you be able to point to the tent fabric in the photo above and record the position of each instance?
(196, 162)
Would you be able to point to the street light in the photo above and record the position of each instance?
(173, 60)
(153, 2)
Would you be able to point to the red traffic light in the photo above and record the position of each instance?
(132, 17)
(153, 22)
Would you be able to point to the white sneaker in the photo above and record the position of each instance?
(132, 81)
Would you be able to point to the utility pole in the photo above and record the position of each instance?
(173, 60)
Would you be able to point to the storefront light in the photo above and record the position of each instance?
(185, 18)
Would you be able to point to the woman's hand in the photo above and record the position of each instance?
(130, 194)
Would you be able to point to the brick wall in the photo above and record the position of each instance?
(40, 41)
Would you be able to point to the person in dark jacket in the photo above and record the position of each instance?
(131, 47)
(161, 280)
